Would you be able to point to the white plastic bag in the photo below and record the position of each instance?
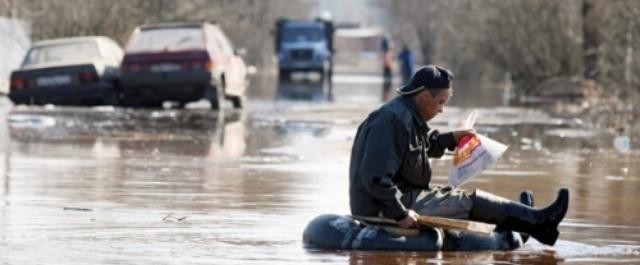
(473, 155)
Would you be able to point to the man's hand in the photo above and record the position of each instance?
(409, 221)
(457, 135)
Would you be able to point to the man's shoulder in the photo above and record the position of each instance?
(395, 109)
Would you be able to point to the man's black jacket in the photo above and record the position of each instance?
(390, 157)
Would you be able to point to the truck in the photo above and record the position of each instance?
(304, 46)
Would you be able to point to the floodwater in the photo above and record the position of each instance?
(122, 186)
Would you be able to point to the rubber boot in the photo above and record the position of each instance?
(526, 198)
(539, 223)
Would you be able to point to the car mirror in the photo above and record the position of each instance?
(240, 52)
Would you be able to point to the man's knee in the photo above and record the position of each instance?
(444, 201)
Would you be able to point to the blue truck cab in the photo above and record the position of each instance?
(304, 46)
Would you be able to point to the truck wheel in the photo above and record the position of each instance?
(323, 75)
(284, 75)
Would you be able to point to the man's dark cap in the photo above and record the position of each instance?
(427, 77)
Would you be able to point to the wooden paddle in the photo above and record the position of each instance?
(439, 222)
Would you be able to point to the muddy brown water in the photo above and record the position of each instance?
(120, 186)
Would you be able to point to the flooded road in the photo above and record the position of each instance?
(122, 186)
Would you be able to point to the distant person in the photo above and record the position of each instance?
(387, 61)
(390, 175)
(407, 62)
(386, 91)
(385, 43)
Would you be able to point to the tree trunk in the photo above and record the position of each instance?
(592, 38)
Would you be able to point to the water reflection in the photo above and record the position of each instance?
(417, 258)
(133, 157)
(304, 90)
(4, 151)
(148, 181)
(170, 132)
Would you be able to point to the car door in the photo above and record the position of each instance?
(219, 57)
(234, 68)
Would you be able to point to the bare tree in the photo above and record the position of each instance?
(247, 22)
(592, 15)
(532, 40)
(529, 41)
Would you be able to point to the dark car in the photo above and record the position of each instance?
(68, 71)
(182, 62)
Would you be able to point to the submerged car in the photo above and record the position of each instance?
(182, 62)
(68, 71)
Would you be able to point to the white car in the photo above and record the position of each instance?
(182, 62)
(69, 71)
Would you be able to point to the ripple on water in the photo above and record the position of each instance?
(574, 251)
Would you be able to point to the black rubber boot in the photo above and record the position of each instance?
(526, 198)
(541, 224)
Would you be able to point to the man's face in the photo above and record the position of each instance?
(429, 106)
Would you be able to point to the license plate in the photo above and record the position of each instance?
(165, 67)
(53, 80)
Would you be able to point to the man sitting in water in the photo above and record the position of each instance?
(390, 171)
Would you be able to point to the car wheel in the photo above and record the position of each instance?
(215, 97)
(131, 101)
(237, 101)
(110, 99)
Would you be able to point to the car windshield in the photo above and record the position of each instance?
(167, 39)
(65, 52)
(302, 34)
